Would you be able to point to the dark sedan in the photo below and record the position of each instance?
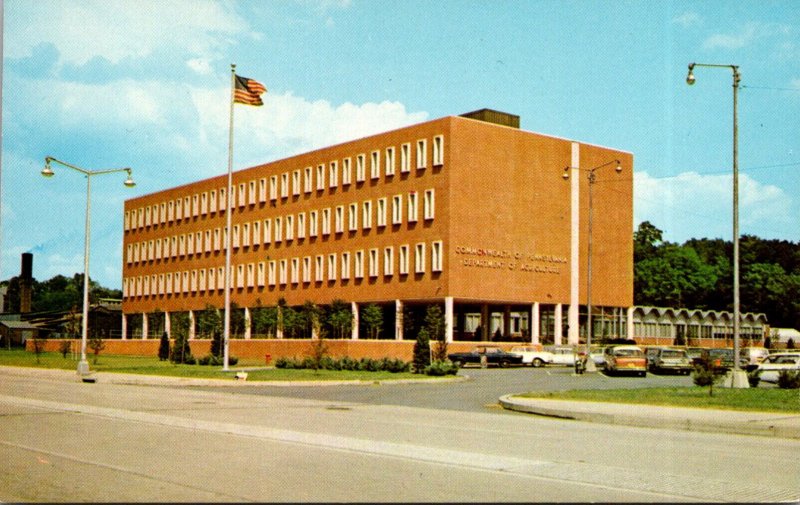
(493, 356)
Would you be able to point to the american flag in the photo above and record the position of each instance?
(248, 91)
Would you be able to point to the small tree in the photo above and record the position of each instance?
(705, 375)
(96, 344)
(181, 352)
(372, 315)
(65, 347)
(38, 347)
(318, 351)
(163, 347)
(422, 351)
(435, 326)
(339, 318)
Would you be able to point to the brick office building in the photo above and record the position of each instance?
(466, 211)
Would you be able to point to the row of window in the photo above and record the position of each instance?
(288, 228)
(279, 187)
(320, 268)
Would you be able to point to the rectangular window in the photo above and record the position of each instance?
(223, 201)
(204, 203)
(212, 279)
(436, 256)
(240, 276)
(366, 221)
(361, 168)
(332, 267)
(422, 153)
(278, 230)
(319, 271)
(283, 266)
(262, 190)
(301, 225)
(173, 241)
(285, 185)
(267, 231)
(389, 161)
(178, 213)
(375, 165)
(358, 265)
(405, 158)
(256, 232)
(373, 262)
(438, 150)
(170, 211)
(419, 258)
(236, 237)
(345, 266)
(181, 245)
(326, 221)
(428, 204)
(402, 259)
(252, 196)
(295, 270)
(320, 177)
(251, 275)
(246, 235)
(242, 195)
(261, 275)
(388, 261)
(307, 269)
(347, 172)
(296, 183)
(289, 225)
(207, 242)
(381, 212)
(212, 202)
(273, 187)
(352, 217)
(338, 221)
(313, 223)
(272, 273)
(412, 207)
(333, 174)
(397, 209)
(147, 216)
(308, 182)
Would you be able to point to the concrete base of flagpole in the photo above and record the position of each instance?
(735, 379)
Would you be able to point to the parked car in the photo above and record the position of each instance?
(625, 359)
(494, 356)
(668, 359)
(719, 359)
(694, 353)
(532, 356)
(596, 353)
(769, 369)
(562, 354)
(754, 356)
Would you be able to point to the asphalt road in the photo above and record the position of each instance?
(477, 393)
(66, 441)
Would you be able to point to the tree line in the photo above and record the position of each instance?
(697, 274)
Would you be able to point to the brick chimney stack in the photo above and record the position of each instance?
(26, 283)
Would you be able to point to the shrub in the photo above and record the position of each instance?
(439, 368)
(753, 378)
(347, 363)
(211, 360)
(705, 376)
(789, 379)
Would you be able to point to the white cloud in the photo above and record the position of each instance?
(116, 29)
(748, 34)
(692, 205)
(687, 19)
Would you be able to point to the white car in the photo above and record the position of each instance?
(562, 355)
(532, 356)
(771, 367)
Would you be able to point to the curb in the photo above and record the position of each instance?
(699, 420)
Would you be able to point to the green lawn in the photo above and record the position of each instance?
(763, 399)
(150, 365)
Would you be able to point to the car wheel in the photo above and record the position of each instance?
(503, 363)
(458, 363)
(642, 374)
(537, 363)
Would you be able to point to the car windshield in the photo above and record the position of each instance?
(672, 354)
(628, 353)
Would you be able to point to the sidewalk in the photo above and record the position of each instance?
(768, 424)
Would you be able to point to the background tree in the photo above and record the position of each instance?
(181, 352)
(422, 351)
(163, 347)
(372, 316)
(264, 319)
(96, 344)
(435, 328)
(339, 319)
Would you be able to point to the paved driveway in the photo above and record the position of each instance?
(479, 392)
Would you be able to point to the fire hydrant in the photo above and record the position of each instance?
(266, 359)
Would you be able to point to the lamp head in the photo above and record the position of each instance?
(619, 167)
(129, 183)
(47, 171)
(690, 76)
(565, 175)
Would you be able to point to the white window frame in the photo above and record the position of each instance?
(373, 262)
(289, 227)
(261, 275)
(366, 215)
(295, 273)
(236, 236)
(332, 267)
(422, 154)
(338, 221)
(333, 174)
(204, 203)
(380, 212)
(242, 194)
(375, 165)
(272, 270)
(352, 217)
(347, 171)
(251, 275)
(361, 169)
(345, 265)
(306, 269)
(405, 158)
(277, 230)
(389, 161)
(402, 259)
(326, 221)
(296, 182)
(273, 187)
(437, 256)
(397, 209)
(320, 177)
(262, 190)
(246, 235)
(212, 203)
(283, 267)
(267, 231)
(388, 261)
(301, 225)
(438, 150)
(419, 258)
(252, 196)
(319, 268)
(313, 223)
(285, 185)
(413, 207)
(358, 264)
(308, 180)
(428, 204)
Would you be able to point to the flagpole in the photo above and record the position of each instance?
(227, 324)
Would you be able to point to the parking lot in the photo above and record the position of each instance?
(478, 391)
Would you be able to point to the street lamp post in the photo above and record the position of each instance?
(83, 365)
(590, 366)
(738, 377)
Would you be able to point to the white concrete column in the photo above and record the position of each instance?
(629, 323)
(124, 327)
(535, 323)
(398, 320)
(354, 332)
(557, 326)
(248, 324)
(191, 325)
(144, 325)
(279, 325)
(575, 253)
(448, 319)
(168, 324)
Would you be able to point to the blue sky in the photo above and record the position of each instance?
(104, 84)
